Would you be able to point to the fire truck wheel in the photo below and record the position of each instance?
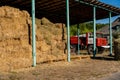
(90, 49)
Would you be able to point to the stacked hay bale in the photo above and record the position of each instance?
(15, 39)
(116, 39)
(50, 39)
(116, 36)
(117, 49)
(15, 51)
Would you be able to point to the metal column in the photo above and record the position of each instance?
(110, 28)
(78, 30)
(33, 34)
(94, 32)
(68, 30)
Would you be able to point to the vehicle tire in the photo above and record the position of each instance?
(101, 50)
(90, 49)
(73, 48)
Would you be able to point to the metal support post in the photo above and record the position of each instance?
(33, 34)
(94, 33)
(110, 28)
(68, 30)
(78, 30)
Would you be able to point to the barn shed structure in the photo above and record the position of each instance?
(68, 12)
(115, 27)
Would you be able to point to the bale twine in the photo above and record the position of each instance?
(117, 49)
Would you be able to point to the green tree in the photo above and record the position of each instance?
(85, 27)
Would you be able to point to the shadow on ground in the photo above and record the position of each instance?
(108, 58)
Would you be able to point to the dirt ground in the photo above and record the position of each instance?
(85, 69)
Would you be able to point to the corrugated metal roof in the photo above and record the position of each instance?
(55, 10)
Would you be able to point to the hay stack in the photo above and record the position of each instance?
(15, 39)
(51, 40)
(117, 49)
(15, 51)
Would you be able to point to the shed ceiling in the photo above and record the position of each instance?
(55, 10)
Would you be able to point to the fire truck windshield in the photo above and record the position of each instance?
(99, 35)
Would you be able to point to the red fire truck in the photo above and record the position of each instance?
(86, 42)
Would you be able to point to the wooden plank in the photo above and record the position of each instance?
(16, 1)
(65, 58)
(51, 4)
(81, 57)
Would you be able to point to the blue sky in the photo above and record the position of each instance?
(111, 2)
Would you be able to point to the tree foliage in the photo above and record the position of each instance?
(85, 27)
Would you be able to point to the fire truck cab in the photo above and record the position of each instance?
(86, 42)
